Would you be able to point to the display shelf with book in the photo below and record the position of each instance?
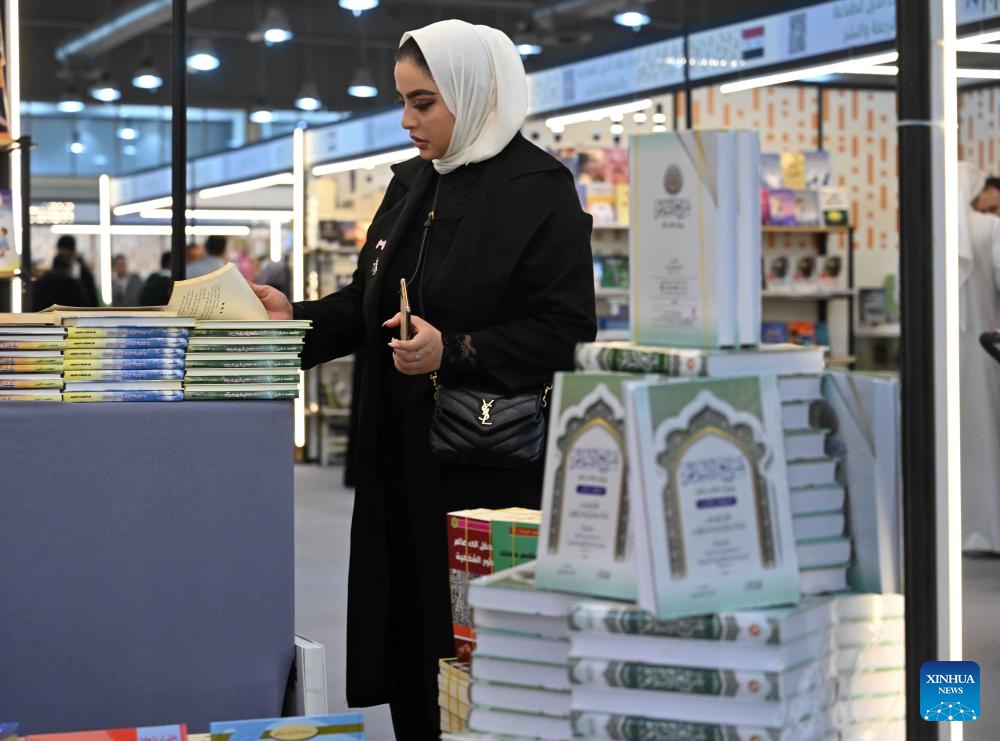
(814, 278)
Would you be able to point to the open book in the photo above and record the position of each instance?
(221, 294)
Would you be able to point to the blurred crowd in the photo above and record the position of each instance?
(70, 281)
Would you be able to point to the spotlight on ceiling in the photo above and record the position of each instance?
(275, 29)
(633, 19)
(76, 144)
(128, 132)
(202, 57)
(105, 89)
(147, 76)
(358, 6)
(261, 113)
(363, 85)
(70, 101)
(527, 50)
(309, 99)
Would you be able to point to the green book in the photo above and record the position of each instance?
(237, 394)
(198, 332)
(242, 361)
(236, 380)
(241, 347)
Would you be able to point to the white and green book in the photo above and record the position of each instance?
(614, 725)
(524, 725)
(583, 543)
(514, 590)
(682, 239)
(506, 621)
(521, 673)
(520, 699)
(711, 515)
(752, 685)
(755, 627)
(522, 647)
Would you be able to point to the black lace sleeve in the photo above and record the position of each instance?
(459, 354)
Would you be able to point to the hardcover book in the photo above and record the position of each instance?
(682, 239)
(522, 673)
(341, 726)
(584, 545)
(674, 361)
(712, 518)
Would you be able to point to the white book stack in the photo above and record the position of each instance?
(818, 497)
(31, 357)
(520, 685)
(803, 672)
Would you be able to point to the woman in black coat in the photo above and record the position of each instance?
(501, 289)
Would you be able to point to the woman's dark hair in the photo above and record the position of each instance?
(409, 50)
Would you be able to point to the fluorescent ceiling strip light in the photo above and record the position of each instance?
(276, 240)
(977, 74)
(832, 68)
(133, 208)
(14, 128)
(979, 38)
(152, 230)
(366, 163)
(221, 214)
(597, 114)
(104, 238)
(284, 178)
(980, 48)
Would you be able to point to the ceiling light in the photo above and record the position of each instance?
(659, 117)
(659, 128)
(976, 40)
(152, 229)
(846, 66)
(202, 57)
(147, 77)
(105, 90)
(70, 102)
(134, 208)
(639, 117)
(245, 186)
(978, 74)
(128, 132)
(262, 113)
(363, 163)
(275, 29)
(129, 150)
(358, 6)
(363, 85)
(632, 19)
(617, 129)
(527, 50)
(308, 99)
(76, 145)
(558, 123)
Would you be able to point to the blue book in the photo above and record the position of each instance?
(8, 731)
(341, 726)
(124, 374)
(82, 396)
(127, 332)
(124, 342)
(124, 352)
(122, 363)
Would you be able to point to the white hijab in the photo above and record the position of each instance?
(482, 81)
(970, 183)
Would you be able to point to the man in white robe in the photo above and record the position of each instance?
(979, 276)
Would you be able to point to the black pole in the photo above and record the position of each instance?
(178, 152)
(27, 290)
(917, 346)
(688, 114)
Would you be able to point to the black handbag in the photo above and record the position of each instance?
(488, 429)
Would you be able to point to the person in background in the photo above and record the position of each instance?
(979, 311)
(215, 257)
(275, 274)
(240, 257)
(156, 289)
(988, 200)
(78, 269)
(488, 231)
(57, 286)
(125, 286)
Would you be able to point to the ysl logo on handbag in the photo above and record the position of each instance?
(485, 409)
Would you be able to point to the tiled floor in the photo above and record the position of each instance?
(322, 521)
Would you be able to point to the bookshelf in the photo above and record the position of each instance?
(821, 235)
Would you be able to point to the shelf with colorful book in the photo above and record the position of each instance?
(820, 276)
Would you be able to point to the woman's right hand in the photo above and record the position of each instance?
(276, 303)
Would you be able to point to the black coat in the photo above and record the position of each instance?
(519, 280)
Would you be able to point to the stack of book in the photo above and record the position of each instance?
(453, 694)
(244, 359)
(829, 665)
(814, 485)
(520, 685)
(124, 356)
(481, 541)
(31, 357)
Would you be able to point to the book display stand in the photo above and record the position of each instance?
(147, 563)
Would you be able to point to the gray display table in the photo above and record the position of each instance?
(146, 563)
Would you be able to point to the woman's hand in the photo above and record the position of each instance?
(419, 354)
(276, 303)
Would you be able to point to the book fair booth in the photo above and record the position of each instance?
(833, 231)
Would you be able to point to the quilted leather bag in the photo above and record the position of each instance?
(488, 429)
